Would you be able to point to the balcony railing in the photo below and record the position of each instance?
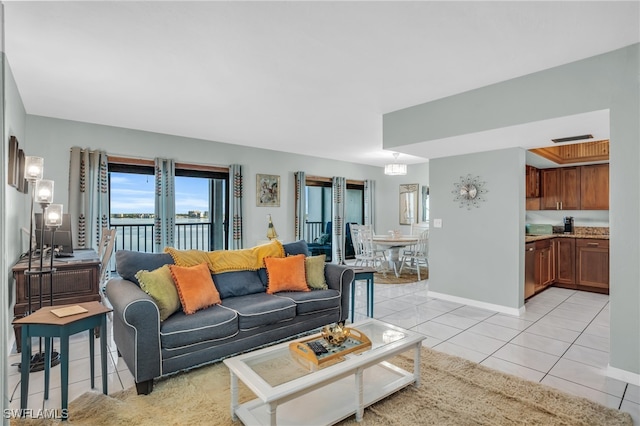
(139, 237)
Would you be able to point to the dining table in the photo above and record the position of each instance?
(392, 244)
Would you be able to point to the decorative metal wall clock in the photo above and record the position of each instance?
(468, 192)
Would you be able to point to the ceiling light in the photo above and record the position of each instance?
(395, 168)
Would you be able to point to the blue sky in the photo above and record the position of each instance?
(133, 193)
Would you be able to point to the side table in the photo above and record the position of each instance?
(363, 273)
(44, 323)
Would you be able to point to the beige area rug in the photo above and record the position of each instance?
(406, 277)
(454, 391)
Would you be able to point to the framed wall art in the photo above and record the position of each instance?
(408, 203)
(267, 190)
(12, 169)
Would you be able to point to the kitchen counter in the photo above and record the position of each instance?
(531, 238)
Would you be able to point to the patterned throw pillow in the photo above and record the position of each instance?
(159, 285)
(314, 267)
(285, 274)
(195, 287)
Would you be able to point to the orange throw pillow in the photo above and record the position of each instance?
(195, 287)
(285, 274)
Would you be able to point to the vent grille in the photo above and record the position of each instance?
(572, 138)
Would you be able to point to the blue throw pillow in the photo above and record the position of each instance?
(298, 247)
(128, 263)
(238, 283)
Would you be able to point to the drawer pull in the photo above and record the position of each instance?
(593, 244)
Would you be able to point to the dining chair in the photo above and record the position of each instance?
(105, 250)
(364, 247)
(416, 230)
(419, 256)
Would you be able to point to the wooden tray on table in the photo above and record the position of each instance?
(354, 343)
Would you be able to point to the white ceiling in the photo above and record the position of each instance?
(304, 77)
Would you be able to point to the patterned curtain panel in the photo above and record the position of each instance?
(369, 203)
(339, 192)
(235, 207)
(88, 196)
(300, 205)
(165, 204)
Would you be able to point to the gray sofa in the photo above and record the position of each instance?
(247, 318)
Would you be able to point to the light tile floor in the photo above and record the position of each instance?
(562, 341)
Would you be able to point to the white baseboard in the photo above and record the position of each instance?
(483, 305)
(623, 375)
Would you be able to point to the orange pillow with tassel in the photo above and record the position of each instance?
(286, 274)
(195, 287)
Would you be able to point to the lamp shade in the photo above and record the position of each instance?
(271, 230)
(44, 191)
(33, 168)
(395, 169)
(53, 216)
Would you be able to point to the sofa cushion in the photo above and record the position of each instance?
(213, 323)
(128, 263)
(296, 247)
(238, 283)
(259, 309)
(286, 274)
(159, 285)
(195, 287)
(313, 301)
(314, 271)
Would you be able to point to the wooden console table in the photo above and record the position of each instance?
(75, 280)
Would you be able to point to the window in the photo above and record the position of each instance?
(201, 205)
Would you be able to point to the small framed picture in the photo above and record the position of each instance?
(12, 170)
(267, 190)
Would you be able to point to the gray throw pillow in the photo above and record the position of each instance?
(128, 263)
(297, 247)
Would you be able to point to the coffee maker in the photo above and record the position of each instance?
(568, 224)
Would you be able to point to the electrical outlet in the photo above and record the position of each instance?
(437, 223)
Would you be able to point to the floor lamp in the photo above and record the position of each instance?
(42, 193)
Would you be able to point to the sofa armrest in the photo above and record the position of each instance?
(339, 277)
(136, 328)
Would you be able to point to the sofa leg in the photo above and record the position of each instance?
(144, 388)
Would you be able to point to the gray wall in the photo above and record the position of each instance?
(608, 81)
(477, 254)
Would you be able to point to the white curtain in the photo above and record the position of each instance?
(88, 196)
(369, 203)
(339, 192)
(235, 207)
(165, 204)
(300, 205)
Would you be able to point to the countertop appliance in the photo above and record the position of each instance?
(538, 229)
(568, 224)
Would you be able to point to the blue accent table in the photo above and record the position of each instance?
(44, 323)
(365, 274)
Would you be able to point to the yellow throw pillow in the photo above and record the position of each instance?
(314, 267)
(160, 286)
(195, 287)
(285, 274)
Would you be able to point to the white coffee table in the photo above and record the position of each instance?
(290, 394)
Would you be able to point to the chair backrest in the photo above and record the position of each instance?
(105, 250)
(362, 238)
(417, 228)
(422, 246)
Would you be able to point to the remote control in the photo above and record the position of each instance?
(317, 347)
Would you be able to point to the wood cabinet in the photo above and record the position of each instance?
(560, 188)
(544, 264)
(594, 187)
(565, 251)
(532, 179)
(592, 264)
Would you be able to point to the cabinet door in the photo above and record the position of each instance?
(569, 188)
(565, 261)
(532, 182)
(550, 183)
(592, 263)
(594, 187)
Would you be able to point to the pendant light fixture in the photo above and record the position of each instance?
(395, 168)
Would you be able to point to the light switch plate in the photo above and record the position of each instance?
(437, 223)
